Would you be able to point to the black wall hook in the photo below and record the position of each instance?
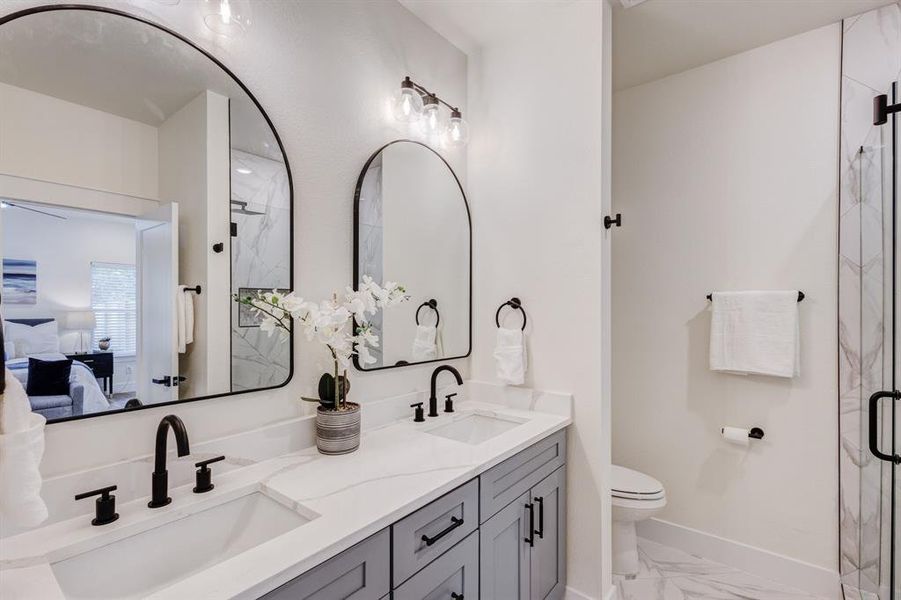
(610, 222)
(433, 304)
(515, 304)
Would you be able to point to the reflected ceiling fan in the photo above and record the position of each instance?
(7, 204)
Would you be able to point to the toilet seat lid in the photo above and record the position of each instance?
(633, 485)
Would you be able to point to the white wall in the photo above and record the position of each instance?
(535, 163)
(324, 72)
(45, 138)
(726, 176)
(194, 172)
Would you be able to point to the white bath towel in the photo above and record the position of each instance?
(510, 356)
(425, 343)
(21, 450)
(755, 332)
(184, 309)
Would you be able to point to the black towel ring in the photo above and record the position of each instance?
(433, 304)
(515, 304)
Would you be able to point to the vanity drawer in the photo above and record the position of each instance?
(445, 522)
(359, 573)
(501, 485)
(454, 572)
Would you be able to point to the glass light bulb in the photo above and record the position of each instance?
(431, 121)
(407, 105)
(228, 18)
(456, 134)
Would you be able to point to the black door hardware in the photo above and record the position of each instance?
(449, 403)
(204, 476)
(218, 247)
(531, 539)
(160, 477)
(610, 222)
(105, 507)
(540, 531)
(233, 229)
(456, 596)
(166, 381)
(417, 413)
(882, 109)
(874, 426)
(455, 522)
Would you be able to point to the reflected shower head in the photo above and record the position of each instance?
(240, 208)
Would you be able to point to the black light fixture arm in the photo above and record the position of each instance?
(421, 89)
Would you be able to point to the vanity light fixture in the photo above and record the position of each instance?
(228, 18)
(413, 103)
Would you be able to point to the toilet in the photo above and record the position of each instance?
(634, 497)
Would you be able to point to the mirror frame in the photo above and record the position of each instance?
(112, 11)
(356, 238)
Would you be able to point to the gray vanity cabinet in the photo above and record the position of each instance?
(523, 554)
(359, 573)
(455, 574)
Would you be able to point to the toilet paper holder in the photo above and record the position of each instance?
(755, 433)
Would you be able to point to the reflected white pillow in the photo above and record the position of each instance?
(28, 340)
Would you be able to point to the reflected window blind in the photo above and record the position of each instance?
(114, 302)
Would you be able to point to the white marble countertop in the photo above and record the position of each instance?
(398, 469)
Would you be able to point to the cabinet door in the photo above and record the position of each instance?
(359, 573)
(504, 557)
(548, 555)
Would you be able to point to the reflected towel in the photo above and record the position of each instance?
(184, 314)
(21, 450)
(425, 343)
(510, 356)
(756, 332)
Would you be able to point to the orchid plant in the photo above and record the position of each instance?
(330, 323)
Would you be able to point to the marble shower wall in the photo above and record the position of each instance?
(871, 61)
(260, 260)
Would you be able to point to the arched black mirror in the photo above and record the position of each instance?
(142, 187)
(412, 226)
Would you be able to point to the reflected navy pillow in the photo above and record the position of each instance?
(48, 377)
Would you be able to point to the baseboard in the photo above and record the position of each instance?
(775, 567)
(573, 594)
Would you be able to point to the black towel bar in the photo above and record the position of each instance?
(515, 304)
(800, 296)
(195, 289)
(433, 304)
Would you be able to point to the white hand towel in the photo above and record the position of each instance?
(756, 332)
(425, 346)
(184, 314)
(510, 356)
(21, 450)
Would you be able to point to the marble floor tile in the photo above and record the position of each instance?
(670, 574)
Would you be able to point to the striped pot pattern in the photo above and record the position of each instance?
(338, 431)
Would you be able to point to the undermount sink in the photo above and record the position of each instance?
(152, 560)
(475, 428)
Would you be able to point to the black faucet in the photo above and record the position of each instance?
(433, 399)
(160, 474)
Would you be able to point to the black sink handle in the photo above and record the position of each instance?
(455, 522)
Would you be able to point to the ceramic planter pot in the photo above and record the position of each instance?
(338, 431)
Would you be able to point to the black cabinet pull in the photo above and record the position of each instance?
(166, 381)
(531, 539)
(874, 426)
(540, 531)
(456, 596)
(455, 522)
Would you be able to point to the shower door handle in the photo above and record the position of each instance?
(874, 426)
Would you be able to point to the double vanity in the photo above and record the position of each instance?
(467, 504)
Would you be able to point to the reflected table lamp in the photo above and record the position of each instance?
(81, 321)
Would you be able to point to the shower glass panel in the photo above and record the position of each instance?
(870, 310)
